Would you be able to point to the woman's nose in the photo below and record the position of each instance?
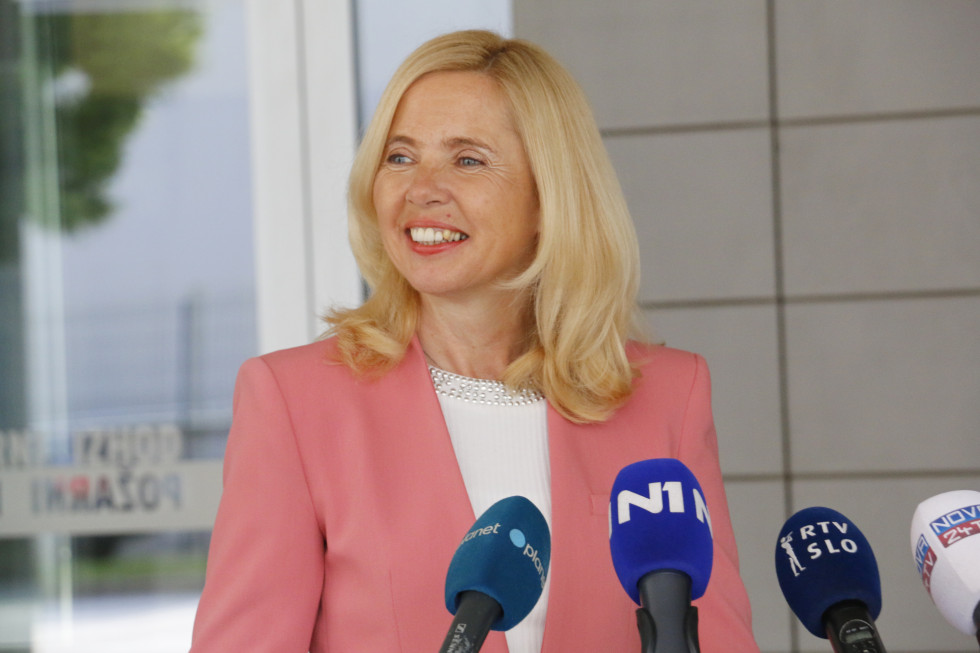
(427, 187)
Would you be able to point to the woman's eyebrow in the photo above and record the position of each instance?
(466, 141)
(398, 139)
(449, 143)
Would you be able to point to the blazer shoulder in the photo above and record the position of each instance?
(661, 359)
(316, 361)
(315, 354)
(666, 373)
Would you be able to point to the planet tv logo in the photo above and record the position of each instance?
(519, 540)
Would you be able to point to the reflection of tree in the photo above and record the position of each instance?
(11, 152)
(123, 59)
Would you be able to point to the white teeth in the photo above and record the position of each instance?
(430, 236)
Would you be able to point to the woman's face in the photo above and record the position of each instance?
(455, 198)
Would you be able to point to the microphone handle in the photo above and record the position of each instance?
(851, 629)
(976, 620)
(667, 621)
(474, 616)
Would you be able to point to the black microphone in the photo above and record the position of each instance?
(829, 576)
(661, 545)
(497, 573)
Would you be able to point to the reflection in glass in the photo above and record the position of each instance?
(126, 305)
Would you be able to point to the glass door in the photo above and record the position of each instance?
(127, 302)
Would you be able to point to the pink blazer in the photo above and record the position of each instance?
(343, 505)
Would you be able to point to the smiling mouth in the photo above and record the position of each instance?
(431, 236)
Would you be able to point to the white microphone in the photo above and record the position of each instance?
(946, 547)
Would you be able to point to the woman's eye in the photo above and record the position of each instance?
(397, 159)
(469, 161)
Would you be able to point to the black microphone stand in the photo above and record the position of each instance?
(668, 623)
(976, 620)
(470, 626)
(851, 629)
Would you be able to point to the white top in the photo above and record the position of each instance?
(501, 443)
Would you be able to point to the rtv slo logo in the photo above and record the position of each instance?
(824, 541)
(816, 549)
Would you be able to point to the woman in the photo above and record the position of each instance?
(491, 359)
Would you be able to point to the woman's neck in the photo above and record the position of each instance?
(479, 344)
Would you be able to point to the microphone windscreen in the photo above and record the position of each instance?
(658, 521)
(822, 559)
(505, 555)
(946, 546)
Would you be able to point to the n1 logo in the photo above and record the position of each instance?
(654, 502)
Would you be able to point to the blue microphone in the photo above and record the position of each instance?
(829, 576)
(662, 549)
(497, 574)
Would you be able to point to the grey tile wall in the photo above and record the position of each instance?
(702, 205)
(623, 50)
(876, 56)
(881, 206)
(757, 509)
(805, 182)
(884, 385)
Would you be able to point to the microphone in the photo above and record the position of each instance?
(497, 573)
(946, 547)
(829, 576)
(660, 540)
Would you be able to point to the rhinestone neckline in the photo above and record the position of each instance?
(480, 391)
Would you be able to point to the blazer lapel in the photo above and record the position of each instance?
(440, 510)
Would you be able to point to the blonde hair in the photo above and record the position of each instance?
(584, 277)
